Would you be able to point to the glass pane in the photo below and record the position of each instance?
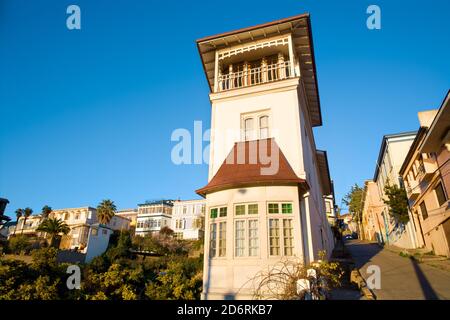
(264, 122)
(273, 208)
(223, 212)
(212, 240)
(240, 210)
(222, 239)
(214, 213)
(286, 208)
(252, 209)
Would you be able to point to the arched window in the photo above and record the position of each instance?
(248, 129)
(264, 127)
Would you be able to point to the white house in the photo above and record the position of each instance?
(264, 196)
(153, 216)
(188, 219)
(393, 151)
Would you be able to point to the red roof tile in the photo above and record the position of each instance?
(255, 168)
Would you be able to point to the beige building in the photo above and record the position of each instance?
(188, 219)
(426, 173)
(373, 225)
(130, 214)
(80, 221)
(29, 226)
(264, 196)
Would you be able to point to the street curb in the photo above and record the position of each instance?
(357, 278)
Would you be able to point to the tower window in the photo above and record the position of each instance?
(248, 129)
(239, 238)
(253, 245)
(223, 212)
(288, 237)
(286, 207)
(273, 208)
(274, 237)
(255, 126)
(222, 239)
(264, 127)
(212, 240)
(240, 210)
(252, 209)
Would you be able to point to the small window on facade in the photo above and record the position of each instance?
(286, 208)
(288, 237)
(440, 194)
(273, 208)
(212, 239)
(274, 237)
(252, 209)
(222, 239)
(264, 127)
(253, 245)
(240, 210)
(240, 238)
(223, 212)
(214, 213)
(423, 210)
(248, 129)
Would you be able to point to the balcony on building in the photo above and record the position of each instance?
(254, 68)
(254, 63)
(412, 192)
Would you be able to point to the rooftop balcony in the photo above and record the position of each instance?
(250, 76)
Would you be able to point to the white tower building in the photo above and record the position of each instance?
(264, 197)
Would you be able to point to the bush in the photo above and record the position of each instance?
(180, 280)
(19, 244)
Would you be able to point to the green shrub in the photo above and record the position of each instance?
(19, 244)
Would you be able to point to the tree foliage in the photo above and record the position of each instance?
(105, 211)
(397, 201)
(354, 200)
(54, 227)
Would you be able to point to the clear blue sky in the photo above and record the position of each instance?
(87, 115)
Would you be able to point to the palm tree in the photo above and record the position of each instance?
(105, 211)
(46, 210)
(19, 214)
(54, 227)
(26, 213)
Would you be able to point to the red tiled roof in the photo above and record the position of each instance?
(253, 169)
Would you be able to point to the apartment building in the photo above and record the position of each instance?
(188, 219)
(266, 182)
(153, 216)
(426, 173)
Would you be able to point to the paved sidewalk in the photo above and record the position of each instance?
(401, 277)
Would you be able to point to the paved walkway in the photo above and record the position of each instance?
(401, 277)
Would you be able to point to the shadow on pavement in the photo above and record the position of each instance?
(362, 252)
(427, 289)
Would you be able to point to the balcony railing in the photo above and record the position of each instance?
(254, 76)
